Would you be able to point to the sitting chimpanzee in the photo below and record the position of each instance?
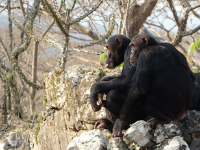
(162, 77)
(115, 88)
(197, 75)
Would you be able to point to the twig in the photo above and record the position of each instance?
(5, 49)
(4, 8)
(22, 8)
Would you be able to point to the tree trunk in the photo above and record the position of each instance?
(8, 98)
(137, 16)
(15, 100)
(4, 114)
(34, 76)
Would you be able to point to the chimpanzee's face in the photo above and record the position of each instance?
(134, 53)
(109, 57)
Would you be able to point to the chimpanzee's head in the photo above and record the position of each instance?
(138, 43)
(116, 46)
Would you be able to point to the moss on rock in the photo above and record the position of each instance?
(36, 131)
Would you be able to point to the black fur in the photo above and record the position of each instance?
(116, 88)
(163, 77)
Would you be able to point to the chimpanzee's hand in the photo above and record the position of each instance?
(118, 127)
(107, 78)
(96, 107)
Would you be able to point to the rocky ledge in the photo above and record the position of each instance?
(68, 121)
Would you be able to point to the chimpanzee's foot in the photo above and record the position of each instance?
(105, 124)
(118, 127)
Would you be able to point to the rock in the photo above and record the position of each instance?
(14, 140)
(195, 145)
(194, 117)
(138, 134)
(177, 143)
(68, 98)
(164, 131)
(115, 143)
(1, 134)
(68, 121)
(71, 91)
(91, 140)
(195, 132)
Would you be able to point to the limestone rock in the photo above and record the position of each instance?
(115, 143)
(177, 143)
(68, 111)
(194, 117)
(71, 91)
(91, 140)
(14, 140)
(164, 131)
(68, 121)
(138, 134)
(195, 145)
(195, 132)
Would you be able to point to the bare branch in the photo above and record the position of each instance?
(37, 38)
(45, 32)
(174, 12)
(182, 27)
(121, 16)
(4, 8)
(53, 21)
(3, 66)
(194, 7)
(126, 19)
(86, 31)
(183, 3)
(108, 33)
(91, 22)
(88, 13)
(191, 31)
(193, 12)
(10, 27)
(5, 49)
(22, 8)
(17, 7)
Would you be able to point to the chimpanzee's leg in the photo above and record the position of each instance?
(114, 103)
(150, 106)
(195, 103)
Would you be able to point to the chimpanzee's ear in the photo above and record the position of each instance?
(106, 46)
(119, 42)
(145, 40)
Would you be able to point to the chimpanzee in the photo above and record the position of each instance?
(115, 88)
(162, 77)
(197, 80)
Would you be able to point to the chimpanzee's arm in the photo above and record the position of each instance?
(140, 87)
(142, 74)
(135, 96)
(133, 101)
(197, 75)
(118, 83)
(107, 78)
